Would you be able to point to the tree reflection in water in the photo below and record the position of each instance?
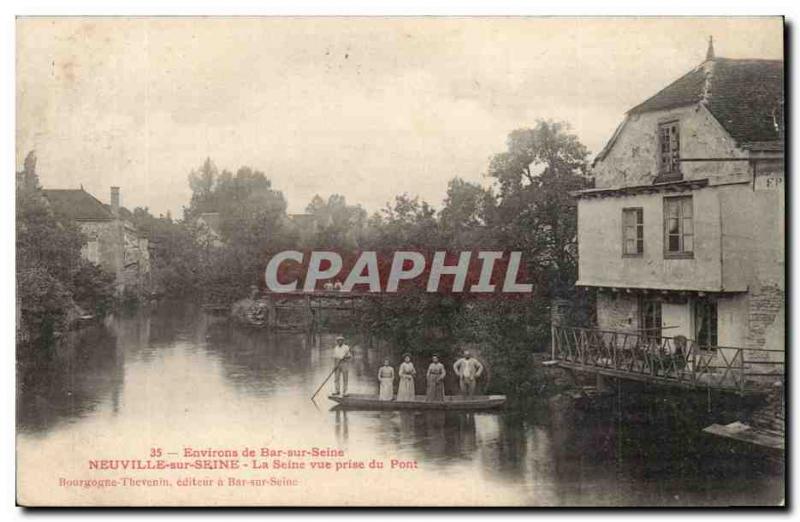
(70, 379)
(641, 451)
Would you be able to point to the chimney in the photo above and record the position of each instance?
(710, 51)
(115, 201)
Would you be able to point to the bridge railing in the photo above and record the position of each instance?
(675, 360)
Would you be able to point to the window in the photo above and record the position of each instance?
(632, 231)
(678, 227)
(669, 149)
(91, 251)
(650, 318)
(705, 323)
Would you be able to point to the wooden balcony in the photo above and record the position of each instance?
(672, 361)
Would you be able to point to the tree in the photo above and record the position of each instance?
(537, 214)
(53, 280)
(536, 211)
(175, 256)
(202, 182)
(253, 224)
(339, 225)
(547, 148)
(408, 223)
(250, 210)
(467, 209)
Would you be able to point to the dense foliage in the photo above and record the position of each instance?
(527, 207)
(55, 285)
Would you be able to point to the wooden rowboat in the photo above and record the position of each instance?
(452, 402)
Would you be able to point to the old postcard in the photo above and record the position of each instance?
(400, 261)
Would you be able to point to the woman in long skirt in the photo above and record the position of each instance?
(405, 390)
(386, 378)
(435, 378)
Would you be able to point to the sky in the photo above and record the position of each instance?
(364, 107)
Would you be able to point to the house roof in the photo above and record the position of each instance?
(77, 204)
(667, 186)
(745, 96)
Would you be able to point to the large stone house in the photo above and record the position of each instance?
(683, 232)
(113, 242)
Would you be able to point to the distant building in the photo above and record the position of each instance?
(113, 243)
(208, 230)
(684, 232)
(307, 226)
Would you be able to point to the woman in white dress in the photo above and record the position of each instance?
(386, 378)
(405, 390)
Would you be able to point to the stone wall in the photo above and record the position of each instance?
(766, 321)
(617, 312)
(109, 243)
(772, 414)
(633, 157)
(119, 251)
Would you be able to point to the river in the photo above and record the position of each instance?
(171, 377)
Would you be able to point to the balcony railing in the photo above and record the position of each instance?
(667, 360)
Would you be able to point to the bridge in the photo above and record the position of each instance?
(671, 361)
(310, 305)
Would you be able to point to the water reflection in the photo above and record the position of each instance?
(66, 382)
(256, 361)
(174, 362)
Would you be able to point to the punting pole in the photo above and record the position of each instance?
(326, 378)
